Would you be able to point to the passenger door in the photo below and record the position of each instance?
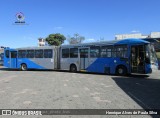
(13, 59)
(84, 58)
(137, 59)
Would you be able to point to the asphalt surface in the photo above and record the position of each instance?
(65, 90)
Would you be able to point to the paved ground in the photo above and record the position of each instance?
(64, 90)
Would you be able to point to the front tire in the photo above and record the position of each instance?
(23, 67)
(121, 70)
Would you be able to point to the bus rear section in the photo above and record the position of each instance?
(31, 58)
(10, 58)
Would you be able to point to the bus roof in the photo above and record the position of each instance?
(41, 47)
(113, 42)
(132, 41)
(32, 48)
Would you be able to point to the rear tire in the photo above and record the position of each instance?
(23, 67)
(73, 68)
(121, 70)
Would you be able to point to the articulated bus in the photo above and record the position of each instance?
(111, 57)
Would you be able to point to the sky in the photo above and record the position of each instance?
(93, 19)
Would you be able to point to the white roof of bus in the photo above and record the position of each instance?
(125, 41)
(41, 47)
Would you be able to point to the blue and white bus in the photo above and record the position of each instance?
(111, 57)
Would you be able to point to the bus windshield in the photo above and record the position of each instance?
(151, 53)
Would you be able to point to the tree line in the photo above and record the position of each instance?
(58, 39)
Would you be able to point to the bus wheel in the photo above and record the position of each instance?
(73, 68)
(121, 70)
(23, 67)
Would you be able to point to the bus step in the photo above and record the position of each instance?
(83, 70)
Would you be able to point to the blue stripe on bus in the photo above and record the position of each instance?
(30, 64)
(100, 63)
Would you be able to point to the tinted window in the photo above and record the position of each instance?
(30, 53)
(14, 54)
(106, 51)
(114, 52)
(73, 52)
(38, 53)
(7, 53)
(109, 52)
(84, 53)
(94, 51)
(48, 53)
(121, 51)
(65, 53)
(22, 53)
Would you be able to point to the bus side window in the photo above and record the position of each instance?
(106, 51)
(114, 52)
(121, 51)
(48, 53)
(73, 52)
(94, 51)
(39, 53)
(22, 54)
(7, 53)
(30, 53)
(109, 52)
(65, 53)
(14, 54)
(103, 52)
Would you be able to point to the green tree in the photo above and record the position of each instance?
(76, 39)
(55, 39)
